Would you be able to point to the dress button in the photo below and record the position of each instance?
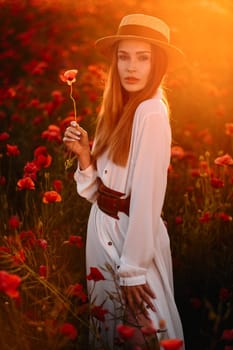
(105, 171)
(110, 243)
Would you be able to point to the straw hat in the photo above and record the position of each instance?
(147, 28)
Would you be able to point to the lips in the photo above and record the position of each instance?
(131, 80)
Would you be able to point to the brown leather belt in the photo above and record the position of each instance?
(110, 201)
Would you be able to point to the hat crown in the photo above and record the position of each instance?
(150, 22)
(147, 28)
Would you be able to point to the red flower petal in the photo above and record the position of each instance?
(51, 197)
(125, 332)
(95, 275)
(9, 284)
(171, 344)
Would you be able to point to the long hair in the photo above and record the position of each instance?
(115, 119)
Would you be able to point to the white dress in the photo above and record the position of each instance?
(136, 247)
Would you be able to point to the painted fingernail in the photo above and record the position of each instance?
(73, 123)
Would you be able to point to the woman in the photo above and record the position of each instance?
(125, 177)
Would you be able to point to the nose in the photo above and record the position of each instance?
(131, 66)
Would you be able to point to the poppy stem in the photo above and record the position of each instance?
(74, 102)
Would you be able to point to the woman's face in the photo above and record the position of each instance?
(134, 64)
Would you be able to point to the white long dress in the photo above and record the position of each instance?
(137, 246)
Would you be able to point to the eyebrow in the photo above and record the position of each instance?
(137, 53)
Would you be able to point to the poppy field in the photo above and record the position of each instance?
(43, 300)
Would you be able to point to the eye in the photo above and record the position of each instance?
(122, 57)
(143, 57)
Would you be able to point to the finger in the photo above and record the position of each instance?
(147, 299)
(143, 299)
(138, 296)
(148, 302)
(141, 309)
(74, 123)
(72, 133)
(130, 297)
(71, 139)
(142, 302)
(67, 139)
(136, 302)
(82, 131)
(149, 291)
(130, 302)
(73, 130)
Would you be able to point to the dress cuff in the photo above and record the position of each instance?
(88, 172)
(133, 280)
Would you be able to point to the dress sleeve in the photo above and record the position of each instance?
(151, 153)
(86, 183)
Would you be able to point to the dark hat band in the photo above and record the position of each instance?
(144, 32)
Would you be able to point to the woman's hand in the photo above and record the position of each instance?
(76, 140)
(139, 298)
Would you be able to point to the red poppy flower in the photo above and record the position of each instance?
(177, 152)
(99, 312)
(195, 172)
(205, 136)
(216, 182)
(42, 158)
(12, 150)
(36, 67)
(2, 113)
(13, 222)
(76, 240)
(27, 238)
(53, 133)
(57, 184)
(178, 220)
(69, 76)
(204, 166)
(205, 217)
(2, 180)
(26, 184)
(227, 334)
(9, 284)
(77, 290)
(229, 129)
(69, 331)
(43, 161)
(171, 344)
(125, 332)
(30, 170)
(19, 257)
(51, 197)
(95, 275)
(34, 103)
(224, 217)
(43, 271)
(4, 136)
(57, 97)
(42, 243)
(226, 159)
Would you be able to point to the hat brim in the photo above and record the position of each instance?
(176, 57)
